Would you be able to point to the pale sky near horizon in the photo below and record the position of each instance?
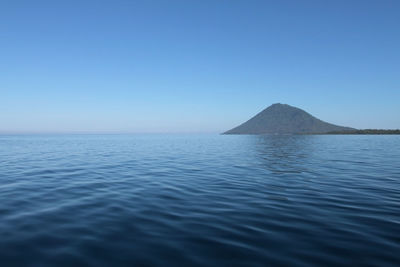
(195, 66)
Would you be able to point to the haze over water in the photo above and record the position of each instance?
(104, 200)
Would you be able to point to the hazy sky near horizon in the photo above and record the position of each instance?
(195, 66)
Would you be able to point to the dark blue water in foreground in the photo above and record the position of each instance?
(110, 200)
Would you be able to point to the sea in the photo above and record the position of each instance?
(199, 200)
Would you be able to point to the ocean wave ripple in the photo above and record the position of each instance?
(123, 200)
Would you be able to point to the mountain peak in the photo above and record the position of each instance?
(278, 105)
(285, 119)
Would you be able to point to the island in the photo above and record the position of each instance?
(285, 119)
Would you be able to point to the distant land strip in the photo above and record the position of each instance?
(366, 131)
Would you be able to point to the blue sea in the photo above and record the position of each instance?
(199, 200)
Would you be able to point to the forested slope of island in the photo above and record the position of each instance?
(286, 119)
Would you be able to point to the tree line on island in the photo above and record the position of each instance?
(368, 131)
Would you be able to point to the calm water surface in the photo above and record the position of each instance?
(181, 200)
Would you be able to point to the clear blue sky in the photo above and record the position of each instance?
(195, 66)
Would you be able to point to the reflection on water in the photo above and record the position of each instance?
(199, 200)
(284, 153)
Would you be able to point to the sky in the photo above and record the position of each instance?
(195, 66)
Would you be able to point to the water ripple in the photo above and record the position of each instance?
(109, 200)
